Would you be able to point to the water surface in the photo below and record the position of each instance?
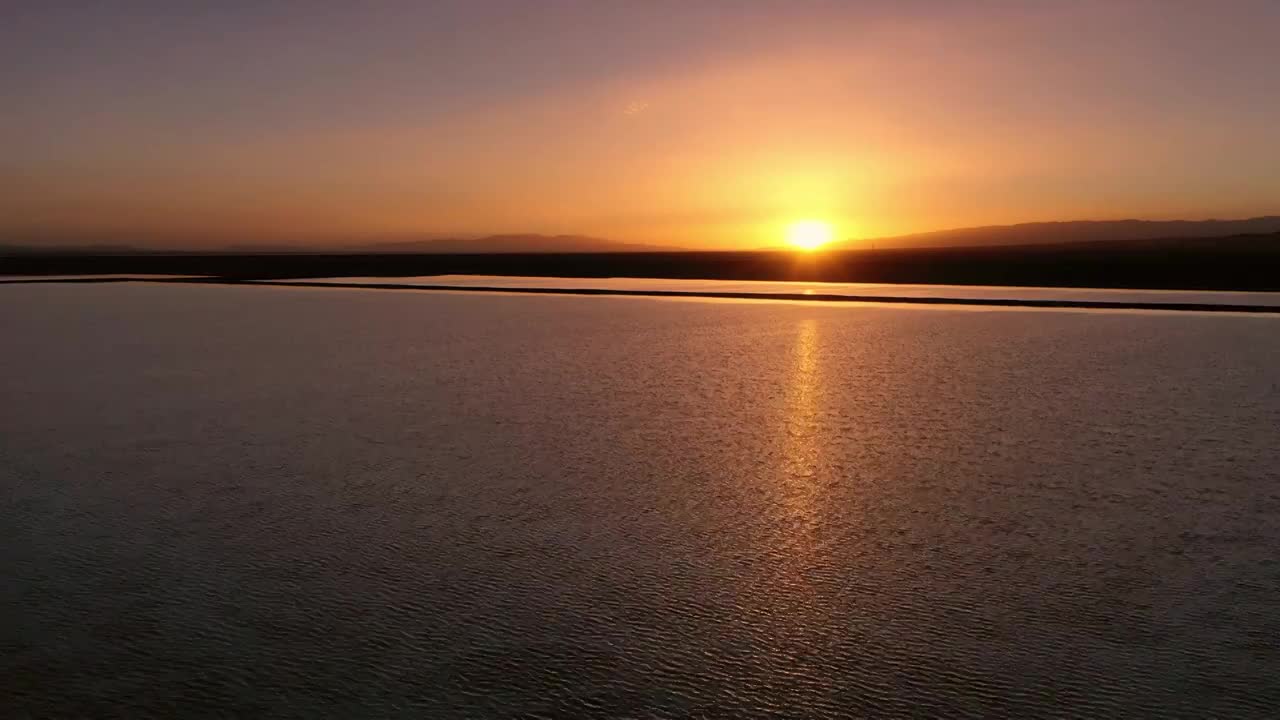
(887, 290)
(358, 503)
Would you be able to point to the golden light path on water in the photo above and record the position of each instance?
(802, 451)
(793, 579)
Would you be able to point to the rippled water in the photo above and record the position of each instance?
(356, 503)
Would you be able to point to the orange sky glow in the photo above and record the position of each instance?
(714, 127)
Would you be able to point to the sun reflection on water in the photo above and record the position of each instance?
(801, 446)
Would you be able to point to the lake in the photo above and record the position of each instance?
(765, 289)
(375, 503)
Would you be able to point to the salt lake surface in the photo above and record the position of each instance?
(767, 288)
(361, 503)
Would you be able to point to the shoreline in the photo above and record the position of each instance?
(1222, 267)
(690, 294)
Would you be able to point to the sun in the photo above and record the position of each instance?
(809, 234)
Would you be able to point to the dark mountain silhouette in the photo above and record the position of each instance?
(512, 244)
(40, 248)
(1086, 231)
(1242, 262)
(1258, 233)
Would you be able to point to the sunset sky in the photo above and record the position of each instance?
(711, 124)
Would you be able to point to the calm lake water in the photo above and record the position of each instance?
(361, 503)
(763, 288)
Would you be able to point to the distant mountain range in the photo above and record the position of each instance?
(513, 244)
(491, 244)
(1079, 231)
(1144, 234)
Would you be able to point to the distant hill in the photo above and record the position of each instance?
(515, 243)
(1081, 231)
(512, 244)
(1147, 235)
(55, 249)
